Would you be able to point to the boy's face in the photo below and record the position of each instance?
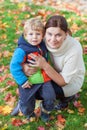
(34, 37)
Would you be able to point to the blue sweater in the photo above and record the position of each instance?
(19, 56)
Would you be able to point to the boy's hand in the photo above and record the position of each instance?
(26, 85)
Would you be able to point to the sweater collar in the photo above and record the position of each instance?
(63, 48)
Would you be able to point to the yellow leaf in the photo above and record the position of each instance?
(5, 127)
(0, 122)
(85, 125)
(70, 111)
(7, 54)
(4, 36)
(6, 110)
(84, 19)
(21, 5)
(74, 28)
(1, 109)
(3, 25)
(32, 119)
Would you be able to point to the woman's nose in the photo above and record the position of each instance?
(53, 38)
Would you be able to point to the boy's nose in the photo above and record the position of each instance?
(34, 36)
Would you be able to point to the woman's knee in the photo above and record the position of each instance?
(48, 105)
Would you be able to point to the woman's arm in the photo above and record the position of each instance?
(29, 70)
(39, 61)
(55, 76)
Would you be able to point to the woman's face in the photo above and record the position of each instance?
(54, 37)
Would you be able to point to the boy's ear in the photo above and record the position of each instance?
(23, 22)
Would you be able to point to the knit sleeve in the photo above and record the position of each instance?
(70, 68)
(16, 66)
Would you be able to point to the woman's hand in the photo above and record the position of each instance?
(29, 70)
(38, 61)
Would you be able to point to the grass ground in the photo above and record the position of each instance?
(11, 24)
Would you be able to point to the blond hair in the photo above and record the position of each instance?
(34, 24)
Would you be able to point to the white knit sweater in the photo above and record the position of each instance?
(68, 61)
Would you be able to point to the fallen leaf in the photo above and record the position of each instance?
(7, 54)
(84, 19)
(60, 126)
(2, 68)
(5, 127)
(1, 123)
(6, 110)
(3, 89)
(11, 83)
(8, 96)
(42, 12)
(77, 95)
(70, 111)
(0, 56)
(61, 119)
(85, 125)
(32, 119)
(52, 117)
(81, 109)
(85, 48)
(1, 109)
(72, 8)
(77, 104)
(40, 128)
(17, 122)
(1, 1)
(74, 27)
(48, 124)
(4, 36)
(2, 78)
(11, 101)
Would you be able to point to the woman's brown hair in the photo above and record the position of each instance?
(58, 21)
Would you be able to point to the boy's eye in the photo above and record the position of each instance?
(38, 33)
(30, 34)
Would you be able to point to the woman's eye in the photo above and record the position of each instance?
(49, 34)
(58, 35)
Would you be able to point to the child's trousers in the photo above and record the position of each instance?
(27, 97)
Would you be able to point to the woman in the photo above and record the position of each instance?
(68, 70)
(66, 55)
